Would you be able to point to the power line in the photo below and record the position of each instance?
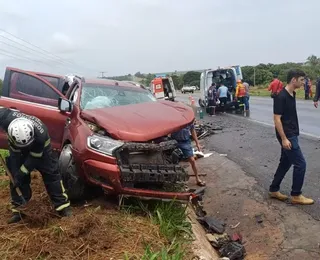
(3, 42)
(13, 55)
(47, 53)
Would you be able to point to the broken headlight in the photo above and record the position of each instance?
(103, 144)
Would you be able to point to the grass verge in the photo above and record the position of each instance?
(262, 91)
(171, 217)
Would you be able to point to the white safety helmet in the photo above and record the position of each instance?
(21, 131)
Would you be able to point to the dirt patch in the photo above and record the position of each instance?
(95, 232)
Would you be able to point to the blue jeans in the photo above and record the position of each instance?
(288, 158)
(246, 102)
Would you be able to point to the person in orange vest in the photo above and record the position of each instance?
(241, 94)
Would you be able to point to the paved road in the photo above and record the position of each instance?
(261, 111)
(254, 147)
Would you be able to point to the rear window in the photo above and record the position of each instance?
(101, 96)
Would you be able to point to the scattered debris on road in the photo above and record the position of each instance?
(205, 130)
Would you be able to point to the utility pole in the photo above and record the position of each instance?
(254, 76)
(102, 74)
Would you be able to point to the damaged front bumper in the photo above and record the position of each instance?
(142, 170)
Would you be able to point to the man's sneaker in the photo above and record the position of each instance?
(66, 212)
(15, 218)
(301, 200)
(278, 195)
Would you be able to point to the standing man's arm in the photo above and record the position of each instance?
(316, 96)
(278, 124)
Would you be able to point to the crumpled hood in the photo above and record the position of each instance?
(141, 122)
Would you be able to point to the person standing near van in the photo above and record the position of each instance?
(246, 101)
(212, 99)
(223, 96)
(287, 132)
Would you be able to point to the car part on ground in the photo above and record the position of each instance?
(204, 130)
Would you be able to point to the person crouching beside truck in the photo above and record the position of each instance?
(29, 149)
(184, 144)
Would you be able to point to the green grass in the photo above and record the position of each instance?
(171, 217)
(3, 153)
(262, 91)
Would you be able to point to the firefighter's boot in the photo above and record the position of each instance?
(15, 218)
(66, 212)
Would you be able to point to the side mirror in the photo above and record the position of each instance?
(65, 105)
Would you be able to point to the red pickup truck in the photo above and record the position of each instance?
(109, 134)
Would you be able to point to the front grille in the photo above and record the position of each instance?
(149, 163)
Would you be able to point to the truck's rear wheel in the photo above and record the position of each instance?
(73, 184)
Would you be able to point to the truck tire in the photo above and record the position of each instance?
(74, 185)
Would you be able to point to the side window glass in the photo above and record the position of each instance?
(29, 88)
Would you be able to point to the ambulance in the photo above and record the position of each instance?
(162, 87)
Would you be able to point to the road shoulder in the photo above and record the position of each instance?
(234, 197)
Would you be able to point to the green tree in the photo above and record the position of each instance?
(177, 81)
(313, 60)
(147, 80)
(191, 77)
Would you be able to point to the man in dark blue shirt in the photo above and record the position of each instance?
(287, 132)
(184, 143)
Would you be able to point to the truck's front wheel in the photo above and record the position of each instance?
(73, 184)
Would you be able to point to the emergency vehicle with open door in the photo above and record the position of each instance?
(226, 75)
(162, 87)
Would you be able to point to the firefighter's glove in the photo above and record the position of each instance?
(19, 179)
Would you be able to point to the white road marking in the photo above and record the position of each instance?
(271, 125)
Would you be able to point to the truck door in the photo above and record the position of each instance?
(238, 72)
(173, 95)
(31, 94)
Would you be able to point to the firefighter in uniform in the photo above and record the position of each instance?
(29, 149)
(241, 94)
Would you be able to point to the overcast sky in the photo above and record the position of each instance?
(126, 36)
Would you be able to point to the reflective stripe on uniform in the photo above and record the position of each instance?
(47, 142)
(37, 155)
(64, 191)
(24, 169)
(63, 206)
(15, 150)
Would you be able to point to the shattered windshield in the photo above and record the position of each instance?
(95, 96)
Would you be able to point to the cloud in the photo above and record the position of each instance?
(127, 36)
(62, 43)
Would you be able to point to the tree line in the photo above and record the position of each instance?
(260, 75)
(263, 74)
